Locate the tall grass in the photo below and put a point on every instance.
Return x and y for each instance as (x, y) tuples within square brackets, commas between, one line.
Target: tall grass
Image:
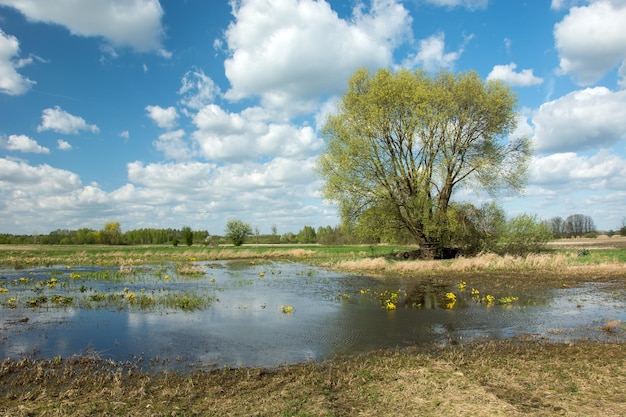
[(484, 262)]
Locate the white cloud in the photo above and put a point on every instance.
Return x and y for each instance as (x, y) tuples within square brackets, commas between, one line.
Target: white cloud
[(129, 23), (431, 55), (290, 53), (507, 74), (585, 119), (201, 195), (197, 90), (11, 82), (249, 135), (470, 4), (602, 170), (164, 117), (43, 197), (176, 177), (22, 143), (125, 134), (63, 145), (173, 145), (591, 40), (60, 121), (19, 178)]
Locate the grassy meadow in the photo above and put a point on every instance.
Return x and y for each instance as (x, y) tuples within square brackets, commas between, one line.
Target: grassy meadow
[(513, 377)]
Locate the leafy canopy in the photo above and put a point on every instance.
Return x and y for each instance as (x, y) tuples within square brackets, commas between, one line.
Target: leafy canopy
[(237, 231), (400, 144)]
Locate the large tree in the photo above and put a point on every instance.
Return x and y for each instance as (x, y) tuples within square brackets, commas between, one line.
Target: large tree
[(237, 231), (404, 141)]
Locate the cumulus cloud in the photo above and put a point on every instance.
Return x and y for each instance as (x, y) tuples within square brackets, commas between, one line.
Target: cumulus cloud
[(585, 119), (173, 176), (602, 170), (507, 74), (291, 53), (173, 145), (248, 135), (165, 118), (60, 121), (197, 89), (591, 40), (63, 145), (41, 179), (22, 143), (11, 81), (131, 23), (431, 55), (38, 197)]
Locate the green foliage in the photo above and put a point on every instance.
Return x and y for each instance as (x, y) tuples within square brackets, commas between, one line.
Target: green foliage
[(111, 234), (524, 234), (187, 235), (306, 235), (402, 142), (237, 231), (476, 229)]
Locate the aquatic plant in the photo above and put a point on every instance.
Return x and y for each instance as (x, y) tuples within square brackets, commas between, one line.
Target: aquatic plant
[(489, 299), (189, 269), (343, 297), (184, 301), (507, 300)]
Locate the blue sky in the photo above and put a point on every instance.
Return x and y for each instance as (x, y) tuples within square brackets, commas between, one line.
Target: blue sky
[(190, 113)]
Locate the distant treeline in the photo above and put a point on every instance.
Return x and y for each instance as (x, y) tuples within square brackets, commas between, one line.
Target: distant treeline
[(111, 234), (576, 225)]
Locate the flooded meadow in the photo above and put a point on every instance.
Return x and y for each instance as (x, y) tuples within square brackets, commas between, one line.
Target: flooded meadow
[(211, 315)]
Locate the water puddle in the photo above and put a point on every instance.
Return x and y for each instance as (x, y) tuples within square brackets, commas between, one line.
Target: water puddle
[(214, 315)]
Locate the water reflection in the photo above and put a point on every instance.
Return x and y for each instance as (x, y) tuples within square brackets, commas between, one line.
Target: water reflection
[(246, 326)]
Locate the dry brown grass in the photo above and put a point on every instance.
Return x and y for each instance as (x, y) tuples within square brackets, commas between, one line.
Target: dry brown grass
[(491, 378), (484, 262)]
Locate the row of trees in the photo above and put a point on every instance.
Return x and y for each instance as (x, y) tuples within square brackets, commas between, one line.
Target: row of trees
[(110, 234), (576, 225), (472, 229)]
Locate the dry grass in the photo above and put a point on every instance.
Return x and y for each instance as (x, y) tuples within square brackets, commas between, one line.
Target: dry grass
[(484, 262), (491, 378)]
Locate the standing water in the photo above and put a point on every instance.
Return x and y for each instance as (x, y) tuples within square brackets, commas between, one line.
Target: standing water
[(233, 314)]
